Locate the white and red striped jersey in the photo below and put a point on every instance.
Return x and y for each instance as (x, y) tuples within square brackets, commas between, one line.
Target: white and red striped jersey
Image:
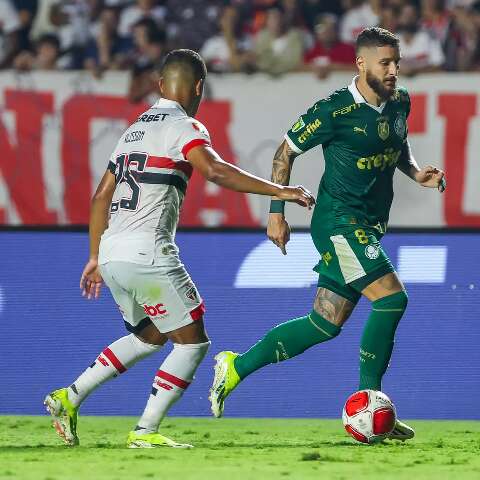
[(151, 173)]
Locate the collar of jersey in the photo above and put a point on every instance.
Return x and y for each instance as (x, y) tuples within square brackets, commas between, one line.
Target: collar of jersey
[(165, 103), (358, 97)]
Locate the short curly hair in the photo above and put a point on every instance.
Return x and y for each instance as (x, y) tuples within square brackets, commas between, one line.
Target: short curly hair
[(376, 37)]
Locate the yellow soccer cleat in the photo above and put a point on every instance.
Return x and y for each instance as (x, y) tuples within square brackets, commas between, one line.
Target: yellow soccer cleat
[(64, 416), (225, 381), (401, 432), (152, 440)]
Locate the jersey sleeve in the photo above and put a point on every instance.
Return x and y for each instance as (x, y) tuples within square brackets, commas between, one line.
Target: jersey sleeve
[(111, 165), (185, 135), (312, 128), (408, 103), (404, 99)]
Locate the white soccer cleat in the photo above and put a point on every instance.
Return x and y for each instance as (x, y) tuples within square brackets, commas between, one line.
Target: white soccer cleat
[(401, 432), (225, 381), (64, 416), (152, 440)]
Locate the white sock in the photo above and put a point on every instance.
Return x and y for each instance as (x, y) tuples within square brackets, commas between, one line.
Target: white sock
[(115, 359), (173, 377)]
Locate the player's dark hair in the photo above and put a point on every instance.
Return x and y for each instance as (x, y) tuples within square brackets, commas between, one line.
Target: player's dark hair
[(50, 39), (185, 58), (376, 37)]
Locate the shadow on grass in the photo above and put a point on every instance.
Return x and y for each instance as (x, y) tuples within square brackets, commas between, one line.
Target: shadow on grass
[(56, 448), (260, 445), (201, 443)]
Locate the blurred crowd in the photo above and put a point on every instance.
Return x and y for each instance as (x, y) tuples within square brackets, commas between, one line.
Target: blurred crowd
[(270, 36)]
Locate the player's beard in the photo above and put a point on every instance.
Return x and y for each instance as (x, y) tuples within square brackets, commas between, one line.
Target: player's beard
[(378, 86)]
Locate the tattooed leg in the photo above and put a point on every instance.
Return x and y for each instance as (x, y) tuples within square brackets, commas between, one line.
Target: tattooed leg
[(333, 307)]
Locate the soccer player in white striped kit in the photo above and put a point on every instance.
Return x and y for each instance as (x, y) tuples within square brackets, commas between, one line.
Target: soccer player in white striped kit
[(134, 216)]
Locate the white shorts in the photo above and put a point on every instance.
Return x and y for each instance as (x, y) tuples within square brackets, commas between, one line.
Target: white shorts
[(162, 294)]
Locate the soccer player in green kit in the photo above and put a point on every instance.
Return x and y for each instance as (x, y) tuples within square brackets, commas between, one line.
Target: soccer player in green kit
[(363, 131)]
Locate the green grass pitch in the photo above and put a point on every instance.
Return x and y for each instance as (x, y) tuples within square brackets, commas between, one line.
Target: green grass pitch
[(234, 449)]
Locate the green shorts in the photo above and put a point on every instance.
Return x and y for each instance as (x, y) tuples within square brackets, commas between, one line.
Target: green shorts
[(351, 260)]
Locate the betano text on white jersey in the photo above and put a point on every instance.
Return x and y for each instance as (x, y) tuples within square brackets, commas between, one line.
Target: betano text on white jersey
[(151, 174)]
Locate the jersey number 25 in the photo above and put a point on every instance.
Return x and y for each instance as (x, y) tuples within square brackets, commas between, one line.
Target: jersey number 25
[(125, 167)]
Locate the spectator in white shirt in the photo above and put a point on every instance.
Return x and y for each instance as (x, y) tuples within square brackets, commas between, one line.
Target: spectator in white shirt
[(360, 14), (436, 19), (72, 19), (420, 52), (142, 9), (229, 51)]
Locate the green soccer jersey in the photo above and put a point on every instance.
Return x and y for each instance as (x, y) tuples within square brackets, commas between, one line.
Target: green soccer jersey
[(361, 145)]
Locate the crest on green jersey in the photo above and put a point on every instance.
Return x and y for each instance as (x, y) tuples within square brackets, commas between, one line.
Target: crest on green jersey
[(383, 128), (372, 251), (400, 125), (298, 125)]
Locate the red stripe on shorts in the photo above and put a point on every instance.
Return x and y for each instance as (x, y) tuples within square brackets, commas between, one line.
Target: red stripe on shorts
[(192, 144), (197, 312), (173, 379), (166, 162), (114, 360)]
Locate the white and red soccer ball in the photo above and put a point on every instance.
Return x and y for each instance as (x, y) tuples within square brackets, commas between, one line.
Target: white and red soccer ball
[(369, 416)]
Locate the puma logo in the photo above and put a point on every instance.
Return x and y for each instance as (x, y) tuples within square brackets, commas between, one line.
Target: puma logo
[(360, 130), (281, 352)]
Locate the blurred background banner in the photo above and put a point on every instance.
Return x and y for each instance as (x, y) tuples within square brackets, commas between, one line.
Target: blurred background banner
[(57, 130), (50, 333)]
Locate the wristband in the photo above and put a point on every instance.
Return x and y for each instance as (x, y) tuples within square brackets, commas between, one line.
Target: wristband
[(277, 206), (443, 185)]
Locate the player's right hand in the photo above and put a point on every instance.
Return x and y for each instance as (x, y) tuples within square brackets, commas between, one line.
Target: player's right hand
[(91, 280), (278, 231), (298, 194)]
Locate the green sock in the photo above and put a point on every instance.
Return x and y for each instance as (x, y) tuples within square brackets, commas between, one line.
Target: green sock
[(378, 339), (286, 341)]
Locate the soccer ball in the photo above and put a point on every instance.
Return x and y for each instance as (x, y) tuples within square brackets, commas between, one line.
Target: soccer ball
[(369, 416)]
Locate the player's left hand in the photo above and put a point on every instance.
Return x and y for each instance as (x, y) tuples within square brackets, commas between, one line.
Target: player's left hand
[(91, 280), (431, 177), (299, 195)]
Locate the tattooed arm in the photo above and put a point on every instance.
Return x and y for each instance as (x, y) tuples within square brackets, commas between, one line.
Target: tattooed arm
[(282, 164), (278, 230)]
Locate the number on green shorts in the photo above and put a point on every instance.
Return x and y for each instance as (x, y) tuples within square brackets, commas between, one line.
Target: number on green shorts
[(361, 236)]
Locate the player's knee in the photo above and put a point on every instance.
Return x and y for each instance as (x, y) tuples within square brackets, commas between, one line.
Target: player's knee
[(335, 318), (323, 326), (192, 353), (151, 335), (326, 313), (396, 301)]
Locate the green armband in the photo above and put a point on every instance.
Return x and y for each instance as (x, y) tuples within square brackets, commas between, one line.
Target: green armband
[(277, 206)]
